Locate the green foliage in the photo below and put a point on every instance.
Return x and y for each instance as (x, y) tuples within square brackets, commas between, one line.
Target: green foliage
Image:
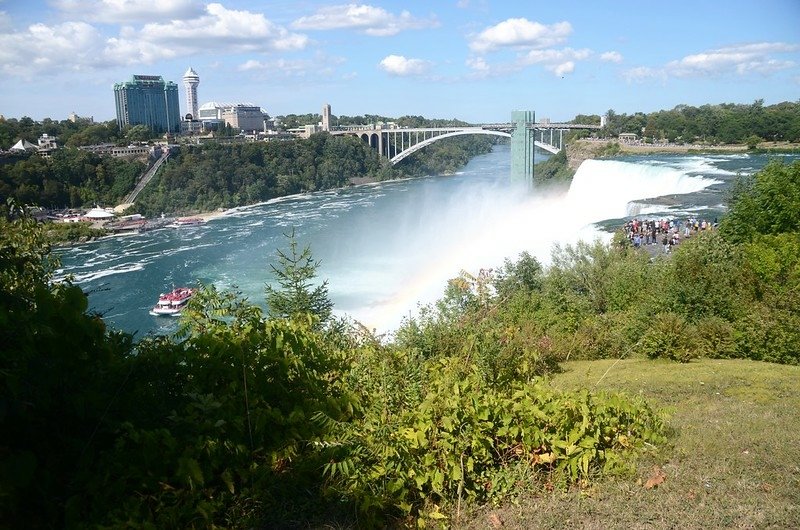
[(296, 294), (707, 278), (752, 141), (610, 149), (769, 334), (71, 232), (466, 440), (726, 123), (224, 425), (524, 275), (767, 202), (216, 175), (669, 337), (59, 373), (715, 338), (139, 133), (553, 170), (73, 134), (69, 178)]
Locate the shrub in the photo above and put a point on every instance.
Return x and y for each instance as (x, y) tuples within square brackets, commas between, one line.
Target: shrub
[(769, 334), (668, 337), (715, 338), (467, 440)]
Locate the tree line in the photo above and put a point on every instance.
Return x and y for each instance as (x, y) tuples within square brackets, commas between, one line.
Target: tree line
[(216, 175), (726, 123), (70, 178), (204, 177)]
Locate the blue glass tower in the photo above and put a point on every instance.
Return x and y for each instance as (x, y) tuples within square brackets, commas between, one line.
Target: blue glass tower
[(148, 100)]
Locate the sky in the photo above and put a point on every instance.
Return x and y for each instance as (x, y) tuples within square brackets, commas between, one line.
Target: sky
[(474, 60)]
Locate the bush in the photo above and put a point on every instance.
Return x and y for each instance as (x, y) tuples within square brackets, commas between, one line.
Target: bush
[(769, 334), (668, 337), (468, 440), (715, 338)]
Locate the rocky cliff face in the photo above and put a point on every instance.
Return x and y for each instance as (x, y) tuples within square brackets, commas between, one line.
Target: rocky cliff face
[(582, 150)]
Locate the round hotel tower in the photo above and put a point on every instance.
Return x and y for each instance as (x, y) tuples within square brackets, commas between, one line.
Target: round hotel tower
[(190, 81)]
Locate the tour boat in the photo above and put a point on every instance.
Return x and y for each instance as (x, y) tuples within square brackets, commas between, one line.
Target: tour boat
[(186, 221), (173, 302)]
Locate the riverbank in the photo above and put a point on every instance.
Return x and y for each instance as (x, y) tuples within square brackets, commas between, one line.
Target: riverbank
[(584, 149)]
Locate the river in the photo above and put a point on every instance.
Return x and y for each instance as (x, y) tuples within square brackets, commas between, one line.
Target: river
[(388, 247)]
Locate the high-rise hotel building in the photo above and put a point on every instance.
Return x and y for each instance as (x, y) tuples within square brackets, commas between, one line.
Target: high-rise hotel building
[(148, 100)]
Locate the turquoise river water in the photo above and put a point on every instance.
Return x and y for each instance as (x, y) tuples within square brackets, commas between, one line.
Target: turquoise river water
[(388, 247)]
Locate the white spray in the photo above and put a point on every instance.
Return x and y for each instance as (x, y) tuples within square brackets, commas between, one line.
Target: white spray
[(481, 230)]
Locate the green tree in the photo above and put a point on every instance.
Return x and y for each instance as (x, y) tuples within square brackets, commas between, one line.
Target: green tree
[(765, 203), (296, 293), (139, 133), (752, 141)]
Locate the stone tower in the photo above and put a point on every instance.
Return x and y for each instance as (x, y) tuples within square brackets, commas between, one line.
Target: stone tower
[(326, 117)]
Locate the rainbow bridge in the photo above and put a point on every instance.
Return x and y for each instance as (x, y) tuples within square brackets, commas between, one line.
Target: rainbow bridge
[(396, 143)]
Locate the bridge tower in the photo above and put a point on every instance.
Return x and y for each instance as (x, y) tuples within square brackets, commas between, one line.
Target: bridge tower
[(522, 146)]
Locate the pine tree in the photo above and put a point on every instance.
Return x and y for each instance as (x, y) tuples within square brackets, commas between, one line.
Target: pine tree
[(296, 293)]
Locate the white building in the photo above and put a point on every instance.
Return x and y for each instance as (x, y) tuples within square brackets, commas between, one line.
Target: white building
[(190, 81), (47, 144), (242, 116)]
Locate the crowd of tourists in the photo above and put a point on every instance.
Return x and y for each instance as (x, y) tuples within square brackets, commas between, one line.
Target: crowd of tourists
[(667, 232)]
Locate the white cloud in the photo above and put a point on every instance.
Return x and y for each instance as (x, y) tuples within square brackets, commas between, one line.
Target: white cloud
[(401, 66), (371, 20), (555, 56), (127, 11), (224, 28), (520, 32), (49, 49), (41, 49), (739, 60), (562, 69), (742, 59), (320, 64), (560, 62), (283, 67), (642, 73), (611, 57), (478, 64)]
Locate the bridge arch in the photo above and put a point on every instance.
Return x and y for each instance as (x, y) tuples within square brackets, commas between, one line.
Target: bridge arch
[(372, 139), (416, 147)]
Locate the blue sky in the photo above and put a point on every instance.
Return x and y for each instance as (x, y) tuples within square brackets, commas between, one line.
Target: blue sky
[(475, 60)]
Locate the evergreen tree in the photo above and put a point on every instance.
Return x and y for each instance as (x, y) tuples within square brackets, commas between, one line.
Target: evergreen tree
[(296, 294)]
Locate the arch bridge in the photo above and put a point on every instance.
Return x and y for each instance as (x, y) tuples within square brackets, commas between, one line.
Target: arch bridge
[(397, 143)]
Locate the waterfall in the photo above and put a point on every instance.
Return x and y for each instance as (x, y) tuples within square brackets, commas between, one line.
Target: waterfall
[(501, 222), (604, 189)]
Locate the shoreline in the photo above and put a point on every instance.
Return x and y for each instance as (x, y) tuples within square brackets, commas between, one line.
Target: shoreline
[(585, 149), (643, 148)]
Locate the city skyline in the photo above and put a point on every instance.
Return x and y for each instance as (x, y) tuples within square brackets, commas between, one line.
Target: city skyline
[(474, 60)]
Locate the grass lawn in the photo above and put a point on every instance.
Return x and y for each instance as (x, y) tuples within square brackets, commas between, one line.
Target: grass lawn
[(732, 459)]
